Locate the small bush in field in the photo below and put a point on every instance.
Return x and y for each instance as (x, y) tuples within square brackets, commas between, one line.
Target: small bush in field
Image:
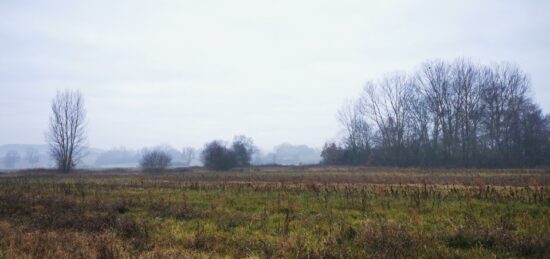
[(217, 156), (155, 160)]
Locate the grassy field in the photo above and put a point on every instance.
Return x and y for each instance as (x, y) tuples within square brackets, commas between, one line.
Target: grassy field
[(300, 212)]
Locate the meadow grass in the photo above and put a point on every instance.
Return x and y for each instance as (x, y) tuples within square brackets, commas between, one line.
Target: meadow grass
[(276, 213)]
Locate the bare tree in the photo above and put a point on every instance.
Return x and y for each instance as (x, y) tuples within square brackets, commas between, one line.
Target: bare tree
[(467, 87), (188, 154), (11, 158), (67, 136), (242, 149), (435, 84), (357, 138), (505, 101), (388, 105), (32, 157), (155, 160)]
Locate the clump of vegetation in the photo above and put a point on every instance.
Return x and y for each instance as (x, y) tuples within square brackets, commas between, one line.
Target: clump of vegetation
[(155, 160), (217, 156)]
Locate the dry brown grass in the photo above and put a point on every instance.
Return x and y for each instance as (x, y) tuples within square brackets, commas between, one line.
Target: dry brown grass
[(298, 213)]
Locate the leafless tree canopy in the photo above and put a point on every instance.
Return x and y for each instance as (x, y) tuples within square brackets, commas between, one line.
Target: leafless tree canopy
[(358, 136), (446, 114), (66, 135), (155, 160)]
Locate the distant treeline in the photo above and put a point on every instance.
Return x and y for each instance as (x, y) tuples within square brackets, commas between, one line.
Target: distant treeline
[(451, 114), (14, 157)]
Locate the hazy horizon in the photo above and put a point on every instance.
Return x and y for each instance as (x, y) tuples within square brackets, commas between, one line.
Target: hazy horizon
[(184, 73)]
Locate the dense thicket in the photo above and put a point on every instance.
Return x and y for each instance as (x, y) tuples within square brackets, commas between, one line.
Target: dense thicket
[(445, 114), (216, 155)]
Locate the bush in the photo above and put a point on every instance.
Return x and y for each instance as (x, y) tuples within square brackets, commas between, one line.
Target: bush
[(216, 155), (335, 154), (332, 154), (155, 160)]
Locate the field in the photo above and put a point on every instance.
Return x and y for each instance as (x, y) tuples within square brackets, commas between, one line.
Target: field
[(297, 212)]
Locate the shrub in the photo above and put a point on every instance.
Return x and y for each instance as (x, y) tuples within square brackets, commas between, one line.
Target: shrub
[(332, 154), (216, 155), (155, 160)]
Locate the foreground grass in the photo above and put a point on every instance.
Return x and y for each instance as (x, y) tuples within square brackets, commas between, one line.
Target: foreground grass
[(298, 213)]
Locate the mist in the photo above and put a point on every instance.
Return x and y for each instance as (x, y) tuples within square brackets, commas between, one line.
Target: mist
[(184, 73)]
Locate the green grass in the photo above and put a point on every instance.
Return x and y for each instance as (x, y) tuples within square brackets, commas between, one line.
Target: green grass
[(306, 213)]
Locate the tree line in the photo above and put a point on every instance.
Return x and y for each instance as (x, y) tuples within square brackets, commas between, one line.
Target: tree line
[(67, 141), (445, 114), (450, 114), (215, 155), (12, 158)]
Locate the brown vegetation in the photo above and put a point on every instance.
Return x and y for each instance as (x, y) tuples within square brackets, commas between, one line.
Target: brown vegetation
[(271, 212)]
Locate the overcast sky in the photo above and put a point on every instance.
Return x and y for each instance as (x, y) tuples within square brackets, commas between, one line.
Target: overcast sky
[(186, 72)]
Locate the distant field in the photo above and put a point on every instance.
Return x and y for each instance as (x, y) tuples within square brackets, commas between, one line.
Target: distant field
[(274, 212)]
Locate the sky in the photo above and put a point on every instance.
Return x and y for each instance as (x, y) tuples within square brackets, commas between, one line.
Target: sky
[(186, 72)]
